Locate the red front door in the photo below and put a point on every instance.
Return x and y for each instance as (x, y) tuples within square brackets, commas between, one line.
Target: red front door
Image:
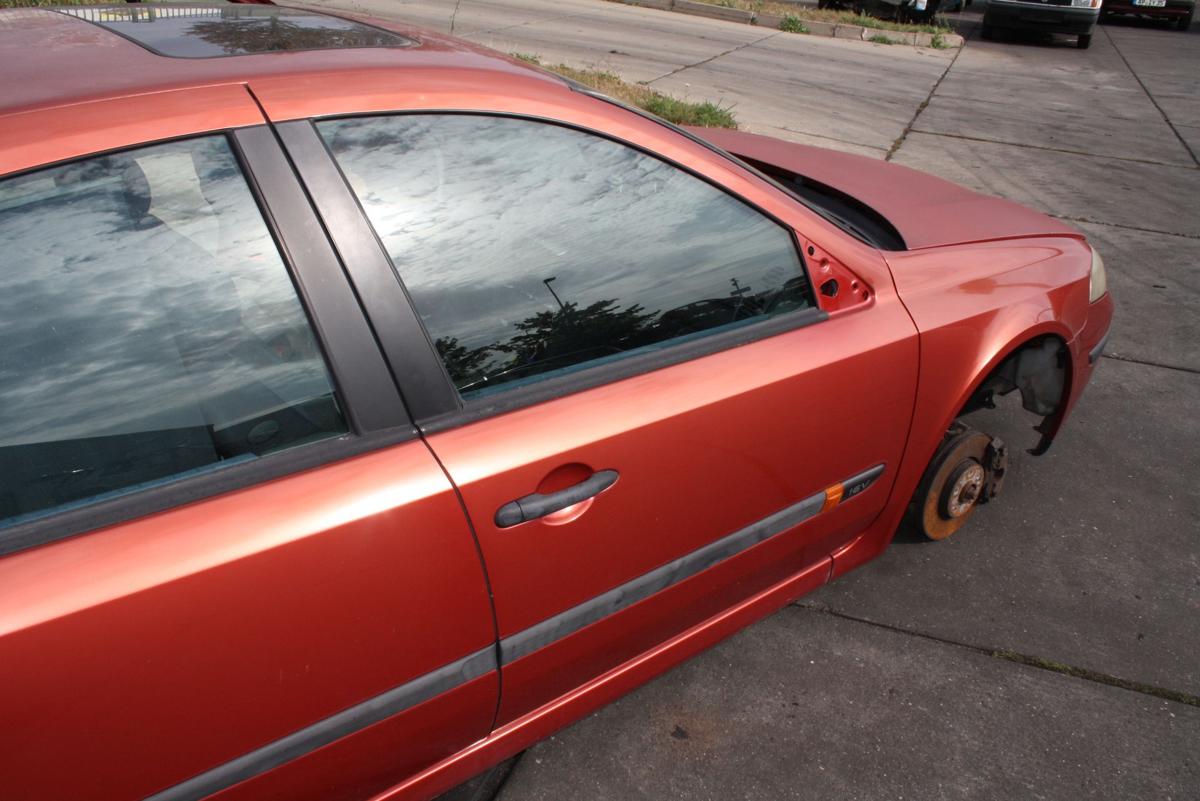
[(631, 341), (703, 450)]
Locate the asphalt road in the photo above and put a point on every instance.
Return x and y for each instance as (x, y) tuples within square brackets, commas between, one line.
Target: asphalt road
[(1051, 650)]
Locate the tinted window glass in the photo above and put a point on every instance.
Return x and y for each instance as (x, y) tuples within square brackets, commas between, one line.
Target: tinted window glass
[(148, 328), (206, 31), (531, 249)]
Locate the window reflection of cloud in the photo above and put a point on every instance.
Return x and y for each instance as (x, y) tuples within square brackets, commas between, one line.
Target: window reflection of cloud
[(475, 212), (92, 303)]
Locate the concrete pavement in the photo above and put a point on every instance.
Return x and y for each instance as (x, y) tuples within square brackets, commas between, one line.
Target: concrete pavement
[(835, 709), (883, 685), (847, 95)]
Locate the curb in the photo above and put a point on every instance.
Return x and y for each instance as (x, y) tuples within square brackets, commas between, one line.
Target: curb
[(827, 29)]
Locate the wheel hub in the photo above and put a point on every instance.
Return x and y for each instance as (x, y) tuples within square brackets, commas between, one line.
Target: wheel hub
[(967, 470), (963, 489)]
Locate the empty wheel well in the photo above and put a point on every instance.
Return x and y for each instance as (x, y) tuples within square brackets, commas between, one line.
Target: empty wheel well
[(1040, 369)]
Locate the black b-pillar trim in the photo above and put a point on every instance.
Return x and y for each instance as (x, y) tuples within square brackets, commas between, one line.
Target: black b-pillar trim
[(417, 368), (371, 398)]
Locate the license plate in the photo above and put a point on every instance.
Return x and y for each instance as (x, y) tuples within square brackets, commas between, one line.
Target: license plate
[(1150, 3)]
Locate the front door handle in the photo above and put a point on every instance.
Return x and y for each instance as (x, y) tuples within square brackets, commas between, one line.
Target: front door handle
[(531, 507)]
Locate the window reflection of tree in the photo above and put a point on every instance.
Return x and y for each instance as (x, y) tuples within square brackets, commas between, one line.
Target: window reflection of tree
[(570, 335), (549, 340), (256, 34)]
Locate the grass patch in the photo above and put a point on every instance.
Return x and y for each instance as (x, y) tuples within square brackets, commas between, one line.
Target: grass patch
[(671, 109), (850, 18), (793, 24), (879, 38), (803, 15)]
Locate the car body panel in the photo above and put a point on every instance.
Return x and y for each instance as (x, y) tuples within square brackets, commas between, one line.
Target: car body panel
[(658, 429), (766, 423), (214, 628), (1006, 294), (376, 758), (167, 648), (219, 627), (916, 203), (39, 137), (510, 738)]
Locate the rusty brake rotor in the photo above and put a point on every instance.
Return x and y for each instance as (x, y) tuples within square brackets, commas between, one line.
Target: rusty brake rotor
[(967, 470)]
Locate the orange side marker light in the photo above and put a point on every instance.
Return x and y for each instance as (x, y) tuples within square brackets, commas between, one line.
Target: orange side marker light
[(833, 496)]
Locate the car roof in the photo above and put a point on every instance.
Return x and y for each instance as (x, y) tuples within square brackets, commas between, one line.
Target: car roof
[(60, 57)]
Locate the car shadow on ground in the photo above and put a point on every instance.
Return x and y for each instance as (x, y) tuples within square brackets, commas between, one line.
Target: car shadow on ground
[(1128, 21)]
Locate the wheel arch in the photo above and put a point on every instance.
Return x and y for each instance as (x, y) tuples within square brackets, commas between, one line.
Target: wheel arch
[(1039, 364)]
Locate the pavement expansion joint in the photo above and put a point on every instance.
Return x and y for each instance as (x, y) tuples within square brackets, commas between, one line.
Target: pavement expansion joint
[(933, 90), (503, 28), (1123, 225), (1161, 365), (1151, 97), (1051, 149), (1027, 660), (712, 58)]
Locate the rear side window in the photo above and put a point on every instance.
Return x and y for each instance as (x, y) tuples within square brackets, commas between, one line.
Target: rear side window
[(531, 250), (148, 329)]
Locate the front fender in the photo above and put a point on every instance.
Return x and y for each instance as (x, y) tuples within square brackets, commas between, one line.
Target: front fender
[(974, 306)]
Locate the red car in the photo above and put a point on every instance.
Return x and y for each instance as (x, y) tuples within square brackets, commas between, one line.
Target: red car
[(374, 405)]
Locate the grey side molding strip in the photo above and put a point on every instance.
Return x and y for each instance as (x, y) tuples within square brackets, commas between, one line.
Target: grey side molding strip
[(571, 620), (332, 728), (514, 647)]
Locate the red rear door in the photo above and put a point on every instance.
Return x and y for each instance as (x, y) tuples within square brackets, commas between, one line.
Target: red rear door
[(228, 564)]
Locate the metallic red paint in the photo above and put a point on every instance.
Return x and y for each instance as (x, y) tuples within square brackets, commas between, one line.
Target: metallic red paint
[(374, 759), (927, 211), (703, 448), (511, 738), (149, 651)]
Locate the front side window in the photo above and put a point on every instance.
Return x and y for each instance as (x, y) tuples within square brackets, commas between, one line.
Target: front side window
[(531, 249), (148, 329)]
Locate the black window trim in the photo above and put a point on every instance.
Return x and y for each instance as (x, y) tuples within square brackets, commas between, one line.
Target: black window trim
[(426, 386), (372, 407)]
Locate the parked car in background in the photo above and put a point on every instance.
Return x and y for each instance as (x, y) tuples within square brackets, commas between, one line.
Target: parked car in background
[(1072, 17), (1179, 12), (373, 405)]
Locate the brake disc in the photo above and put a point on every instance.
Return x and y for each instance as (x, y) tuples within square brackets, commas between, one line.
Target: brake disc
[(967, 470)]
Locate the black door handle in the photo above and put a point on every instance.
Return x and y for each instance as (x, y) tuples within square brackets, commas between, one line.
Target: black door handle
[(531, 507)]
